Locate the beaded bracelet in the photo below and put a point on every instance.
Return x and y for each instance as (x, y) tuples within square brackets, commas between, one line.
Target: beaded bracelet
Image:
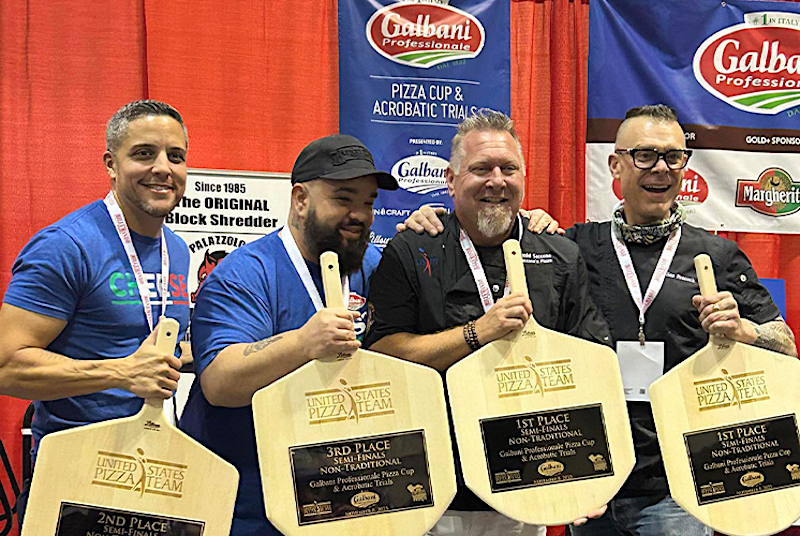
[(471, 336)]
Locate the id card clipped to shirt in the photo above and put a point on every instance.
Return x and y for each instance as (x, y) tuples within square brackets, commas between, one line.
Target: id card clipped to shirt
[(640, 365)]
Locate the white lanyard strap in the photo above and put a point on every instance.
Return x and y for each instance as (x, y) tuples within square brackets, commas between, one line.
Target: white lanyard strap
[(475, 266), (124, 234), (656, 282), (301, 268)]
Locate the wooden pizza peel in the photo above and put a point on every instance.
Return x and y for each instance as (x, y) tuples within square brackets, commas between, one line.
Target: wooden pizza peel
[(358, 445), (727, 425), (135, 475), (541, 421)]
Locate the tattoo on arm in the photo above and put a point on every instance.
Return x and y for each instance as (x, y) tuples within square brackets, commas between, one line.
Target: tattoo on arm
[(775, 336), (260, 345)]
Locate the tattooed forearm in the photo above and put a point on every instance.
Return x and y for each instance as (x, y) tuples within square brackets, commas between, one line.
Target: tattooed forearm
[(260, 345), (775, 336)]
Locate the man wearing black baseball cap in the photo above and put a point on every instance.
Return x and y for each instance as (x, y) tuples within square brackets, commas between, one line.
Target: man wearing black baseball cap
[(260, 314)]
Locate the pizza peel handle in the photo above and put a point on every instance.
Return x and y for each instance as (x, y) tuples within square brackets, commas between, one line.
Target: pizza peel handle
[(705, 278), (331, 280), (153, 408), (705, 274), (514, 266)]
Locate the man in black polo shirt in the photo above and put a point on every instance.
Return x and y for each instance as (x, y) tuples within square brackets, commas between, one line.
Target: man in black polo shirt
[(427, 306), (647, 228)]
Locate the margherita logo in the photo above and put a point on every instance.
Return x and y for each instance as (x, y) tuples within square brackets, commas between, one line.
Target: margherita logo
[(753, 66), (774, 193), (423, 35)]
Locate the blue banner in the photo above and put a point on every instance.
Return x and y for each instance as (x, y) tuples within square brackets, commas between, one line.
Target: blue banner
[(697, 57), (409, 72), (731, 70)]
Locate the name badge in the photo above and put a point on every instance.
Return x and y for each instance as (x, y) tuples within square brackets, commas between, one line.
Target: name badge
[(640, 365)]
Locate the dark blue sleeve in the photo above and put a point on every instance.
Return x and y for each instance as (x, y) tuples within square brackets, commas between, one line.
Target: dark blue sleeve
[(226, 313), (48, 276)]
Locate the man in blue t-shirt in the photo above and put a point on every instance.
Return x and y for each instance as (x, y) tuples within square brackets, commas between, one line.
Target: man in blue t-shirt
[(260, 315), (76, 336)]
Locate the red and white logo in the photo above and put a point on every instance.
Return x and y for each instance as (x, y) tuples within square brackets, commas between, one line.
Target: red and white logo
[(355, 301), (423, 35), (694, 190), (754, 66)]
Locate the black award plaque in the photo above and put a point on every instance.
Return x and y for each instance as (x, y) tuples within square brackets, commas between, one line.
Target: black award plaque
[(744, 459), (85, 520), (359, 477), (546, 447)]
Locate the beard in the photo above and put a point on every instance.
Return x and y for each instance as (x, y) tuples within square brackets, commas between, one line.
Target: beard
[(494, 220), (322, 238)]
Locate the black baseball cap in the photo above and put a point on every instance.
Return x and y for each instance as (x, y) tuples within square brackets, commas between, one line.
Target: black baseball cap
[(338, 157)]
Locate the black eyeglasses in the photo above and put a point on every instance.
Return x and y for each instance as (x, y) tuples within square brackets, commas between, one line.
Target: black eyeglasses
[(648, 158)]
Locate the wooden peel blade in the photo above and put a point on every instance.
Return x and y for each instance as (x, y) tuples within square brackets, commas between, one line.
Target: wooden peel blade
[(540, 419), (130, 472), (726, 419), (357, 444)]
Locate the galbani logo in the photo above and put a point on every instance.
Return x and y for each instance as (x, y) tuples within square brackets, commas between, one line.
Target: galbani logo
[(694, 189), (754, 66), (773, 193), (423, 35), (421, 174)]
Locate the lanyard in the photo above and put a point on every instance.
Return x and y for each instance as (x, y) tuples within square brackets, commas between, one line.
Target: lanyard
[(124, 234), (478, 273), (656, 282), (301, 268)]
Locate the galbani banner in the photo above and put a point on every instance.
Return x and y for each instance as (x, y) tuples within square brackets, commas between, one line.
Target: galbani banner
[(409, 72), (732, 72)]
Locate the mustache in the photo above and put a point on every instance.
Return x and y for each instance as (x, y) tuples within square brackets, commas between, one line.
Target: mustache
[(353, 223)]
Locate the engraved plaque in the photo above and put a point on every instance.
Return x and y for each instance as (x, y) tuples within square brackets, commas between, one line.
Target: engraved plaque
[(360, 477), (546, 447), (744, 459), (85, 520)]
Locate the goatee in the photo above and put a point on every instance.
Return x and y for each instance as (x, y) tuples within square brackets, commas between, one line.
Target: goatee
[(494, 220)]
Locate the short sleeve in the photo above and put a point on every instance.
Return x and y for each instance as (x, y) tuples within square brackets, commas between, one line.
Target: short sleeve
[(740, 279), (226, 313), (48, 275)]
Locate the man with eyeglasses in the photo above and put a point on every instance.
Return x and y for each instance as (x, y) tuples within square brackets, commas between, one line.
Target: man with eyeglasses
[(653, 326)]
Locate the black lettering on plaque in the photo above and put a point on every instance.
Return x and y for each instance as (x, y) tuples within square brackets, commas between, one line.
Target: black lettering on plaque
[(361, 476), (546, 447), (744, 459), (86, 520)]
